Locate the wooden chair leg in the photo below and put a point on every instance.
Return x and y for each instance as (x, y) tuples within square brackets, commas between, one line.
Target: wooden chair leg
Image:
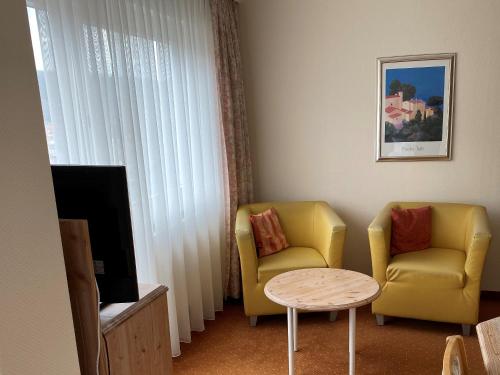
[(253, 320), (380, 319)]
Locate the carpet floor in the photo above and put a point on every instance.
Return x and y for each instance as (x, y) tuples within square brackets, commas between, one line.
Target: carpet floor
[(403, 346)]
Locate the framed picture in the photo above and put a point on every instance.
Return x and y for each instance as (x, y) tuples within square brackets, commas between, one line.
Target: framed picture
[(415, 107)]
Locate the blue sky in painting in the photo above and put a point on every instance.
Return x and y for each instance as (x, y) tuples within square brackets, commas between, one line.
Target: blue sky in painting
[(429, 81)]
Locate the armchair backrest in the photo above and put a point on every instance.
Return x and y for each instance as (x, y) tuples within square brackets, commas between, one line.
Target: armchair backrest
[(296, 219), (450, 222)]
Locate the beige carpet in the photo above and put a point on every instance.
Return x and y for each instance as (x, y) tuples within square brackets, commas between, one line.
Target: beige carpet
[(402, 346)]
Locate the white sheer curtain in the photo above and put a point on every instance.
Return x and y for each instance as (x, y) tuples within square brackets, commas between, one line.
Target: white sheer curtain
[(132, 82)]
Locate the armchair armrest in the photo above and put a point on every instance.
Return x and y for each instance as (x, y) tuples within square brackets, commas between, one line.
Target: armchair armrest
[(477, 243), (246, 247), (329, 234), (379, 235)]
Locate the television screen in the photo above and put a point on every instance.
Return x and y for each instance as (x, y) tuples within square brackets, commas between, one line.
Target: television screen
[(99, 194)]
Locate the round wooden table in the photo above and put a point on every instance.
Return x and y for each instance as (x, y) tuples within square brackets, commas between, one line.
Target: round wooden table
[(321, 289)]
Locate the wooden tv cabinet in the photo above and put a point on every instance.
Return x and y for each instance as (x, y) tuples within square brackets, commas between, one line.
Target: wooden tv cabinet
[(135, 336)]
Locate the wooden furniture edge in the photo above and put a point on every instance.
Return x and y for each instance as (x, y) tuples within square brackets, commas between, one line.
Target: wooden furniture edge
[(82, 290), (482, 337), (301, 305), (114, 321), (488, 351), (347, 306)]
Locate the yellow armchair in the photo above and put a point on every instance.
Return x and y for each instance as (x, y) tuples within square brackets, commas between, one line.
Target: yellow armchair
[(316, 237), (441, 283)]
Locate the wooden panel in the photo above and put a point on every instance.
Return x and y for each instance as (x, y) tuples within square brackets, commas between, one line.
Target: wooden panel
[(118, 351), (132, 341), (140, 343), (162, 356), (82, 291), (103, 358)]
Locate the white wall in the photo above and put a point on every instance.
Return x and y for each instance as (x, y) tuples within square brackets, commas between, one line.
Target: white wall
[(36, 329), (310, 76)]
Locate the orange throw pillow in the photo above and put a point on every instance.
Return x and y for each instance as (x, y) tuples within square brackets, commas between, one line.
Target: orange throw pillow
[(411, 229), (269, 237)]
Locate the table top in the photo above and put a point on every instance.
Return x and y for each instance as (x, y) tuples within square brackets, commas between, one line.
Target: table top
[(488, 333), (322, 289)]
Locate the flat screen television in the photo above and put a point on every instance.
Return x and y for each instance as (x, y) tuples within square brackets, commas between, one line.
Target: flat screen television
[(99, 194)]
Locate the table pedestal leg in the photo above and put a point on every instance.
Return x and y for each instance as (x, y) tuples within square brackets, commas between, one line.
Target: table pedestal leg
[(295, 322), (352, 340), (291, 345)]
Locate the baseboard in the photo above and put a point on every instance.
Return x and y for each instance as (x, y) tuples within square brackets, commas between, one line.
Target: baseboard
[(490, 294)]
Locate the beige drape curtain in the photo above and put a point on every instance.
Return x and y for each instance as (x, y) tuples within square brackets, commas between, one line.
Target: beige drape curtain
[(234, 126)]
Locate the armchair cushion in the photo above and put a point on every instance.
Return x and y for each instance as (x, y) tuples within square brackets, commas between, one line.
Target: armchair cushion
[(411, 229), (292, 258), (429, 268), (269, 237)]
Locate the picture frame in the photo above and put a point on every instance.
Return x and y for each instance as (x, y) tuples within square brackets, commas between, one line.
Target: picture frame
[(415, 107)]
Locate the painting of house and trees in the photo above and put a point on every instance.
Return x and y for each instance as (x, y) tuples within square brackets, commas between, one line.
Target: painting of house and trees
[(413, 106)]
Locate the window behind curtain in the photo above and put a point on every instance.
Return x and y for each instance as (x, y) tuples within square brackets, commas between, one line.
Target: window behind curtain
[(133, 82), (40, 72)]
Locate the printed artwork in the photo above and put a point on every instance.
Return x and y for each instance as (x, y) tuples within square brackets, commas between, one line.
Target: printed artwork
[(414, 107)]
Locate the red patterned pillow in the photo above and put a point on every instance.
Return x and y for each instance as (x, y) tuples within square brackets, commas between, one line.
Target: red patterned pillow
[(411, 229), (269, 237)]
